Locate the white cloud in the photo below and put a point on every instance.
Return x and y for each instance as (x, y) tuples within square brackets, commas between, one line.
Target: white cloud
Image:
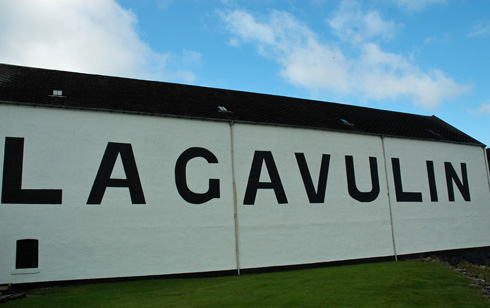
[(93, 36), (245, 26), (281, 37), (386, 75), (481, 28), (316, 66), (364, 69), (439, 40), (483, 109), (164, 4), (415, 5), (353, 25)]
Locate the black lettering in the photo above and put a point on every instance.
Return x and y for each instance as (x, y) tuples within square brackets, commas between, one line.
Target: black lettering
[(314, 195), (181, 176), (432, 181), (351, 180), (12, 191), (451, 176), (104, 180), (261, 157), (402, 196)]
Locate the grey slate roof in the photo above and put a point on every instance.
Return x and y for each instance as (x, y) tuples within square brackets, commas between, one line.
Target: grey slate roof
[(26, 85)]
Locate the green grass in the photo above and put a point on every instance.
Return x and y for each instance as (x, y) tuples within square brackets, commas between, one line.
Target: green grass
[(390, 284), (483, 272)]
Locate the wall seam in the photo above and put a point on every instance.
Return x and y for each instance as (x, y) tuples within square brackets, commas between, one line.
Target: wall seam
[(487, 169), (235, 201), (389, 198)]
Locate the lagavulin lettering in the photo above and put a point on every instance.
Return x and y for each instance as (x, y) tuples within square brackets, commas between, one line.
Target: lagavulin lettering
[(262, 161)]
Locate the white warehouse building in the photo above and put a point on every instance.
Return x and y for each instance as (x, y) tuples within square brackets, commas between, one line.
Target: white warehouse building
[(104, 177)]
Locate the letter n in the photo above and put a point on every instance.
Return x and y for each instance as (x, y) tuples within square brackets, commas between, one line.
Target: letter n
[(451, 176)]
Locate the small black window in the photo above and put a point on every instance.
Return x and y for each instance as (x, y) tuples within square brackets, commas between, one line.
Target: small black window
[(27, 253)]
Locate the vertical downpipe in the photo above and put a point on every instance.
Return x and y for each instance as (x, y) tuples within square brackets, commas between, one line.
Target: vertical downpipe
[(389, 198), (235, 202)]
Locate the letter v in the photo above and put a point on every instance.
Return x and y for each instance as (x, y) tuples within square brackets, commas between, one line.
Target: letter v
[(314, 195)]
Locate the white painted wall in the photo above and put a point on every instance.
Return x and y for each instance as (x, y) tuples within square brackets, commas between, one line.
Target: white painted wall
[(299, 232), (63, 149), (441, 225)]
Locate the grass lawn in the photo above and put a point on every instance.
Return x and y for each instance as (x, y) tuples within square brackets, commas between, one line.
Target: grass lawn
[(389, 284)]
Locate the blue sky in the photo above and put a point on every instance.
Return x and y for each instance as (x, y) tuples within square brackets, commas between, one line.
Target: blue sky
[(418, 56)]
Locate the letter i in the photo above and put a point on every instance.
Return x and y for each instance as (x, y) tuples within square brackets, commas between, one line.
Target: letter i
[(432, 181)]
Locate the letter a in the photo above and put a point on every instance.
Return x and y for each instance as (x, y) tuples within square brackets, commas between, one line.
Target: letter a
[(261, 157), (103, 178)]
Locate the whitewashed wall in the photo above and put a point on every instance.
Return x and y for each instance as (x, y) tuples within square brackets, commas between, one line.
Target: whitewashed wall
[(63, 149), (340, 228), (441, 225)]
